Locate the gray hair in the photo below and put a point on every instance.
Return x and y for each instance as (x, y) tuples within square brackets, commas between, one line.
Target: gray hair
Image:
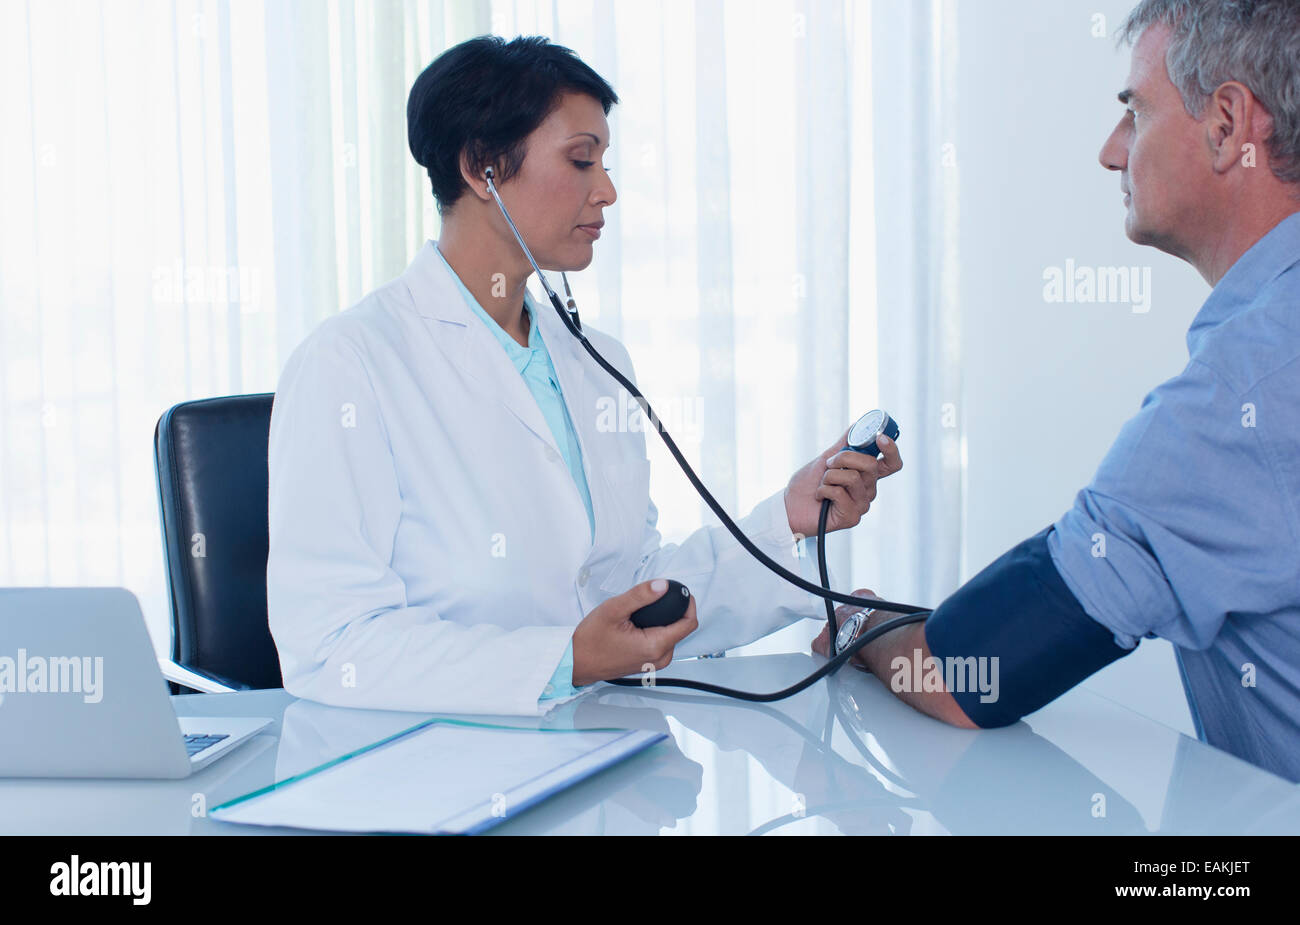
[(1254, 42)]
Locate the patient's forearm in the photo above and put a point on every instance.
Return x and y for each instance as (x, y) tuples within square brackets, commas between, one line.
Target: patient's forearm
[(905, 642)]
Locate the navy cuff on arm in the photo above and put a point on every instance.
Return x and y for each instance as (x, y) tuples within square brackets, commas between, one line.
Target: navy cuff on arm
[(1018, 614)]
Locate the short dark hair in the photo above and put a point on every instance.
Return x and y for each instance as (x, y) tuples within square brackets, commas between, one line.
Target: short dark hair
[(483, 97)]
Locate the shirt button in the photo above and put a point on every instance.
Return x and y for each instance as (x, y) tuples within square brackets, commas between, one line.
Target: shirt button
[(550, 689), (551, 454), (583, 575)]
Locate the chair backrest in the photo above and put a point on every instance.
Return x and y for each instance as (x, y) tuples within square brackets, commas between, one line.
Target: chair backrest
[(210, 457)]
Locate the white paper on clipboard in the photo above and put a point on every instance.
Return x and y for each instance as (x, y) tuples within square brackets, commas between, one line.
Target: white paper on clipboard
[(438, 777)]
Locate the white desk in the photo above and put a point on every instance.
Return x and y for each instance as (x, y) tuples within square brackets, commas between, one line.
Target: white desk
[(732, 768)]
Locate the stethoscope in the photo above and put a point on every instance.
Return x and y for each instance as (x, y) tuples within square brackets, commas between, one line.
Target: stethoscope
[(845, 640)]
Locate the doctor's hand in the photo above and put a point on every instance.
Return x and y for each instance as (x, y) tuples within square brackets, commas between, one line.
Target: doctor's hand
[(606, 644), (847, 477)]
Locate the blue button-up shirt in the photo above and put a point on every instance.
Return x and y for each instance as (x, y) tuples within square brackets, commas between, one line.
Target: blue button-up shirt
[(1189, 530), (534, 364)]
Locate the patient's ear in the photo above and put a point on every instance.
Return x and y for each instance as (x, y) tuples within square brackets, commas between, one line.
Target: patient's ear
[(1233, 120)]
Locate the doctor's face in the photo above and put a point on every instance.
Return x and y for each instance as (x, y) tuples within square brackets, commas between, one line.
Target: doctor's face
[(559, 195)]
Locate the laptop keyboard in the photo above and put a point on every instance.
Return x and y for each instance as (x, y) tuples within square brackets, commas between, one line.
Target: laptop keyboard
[(196, 742)]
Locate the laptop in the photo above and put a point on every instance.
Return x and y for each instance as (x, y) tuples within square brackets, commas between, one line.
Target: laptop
[(81, 693)]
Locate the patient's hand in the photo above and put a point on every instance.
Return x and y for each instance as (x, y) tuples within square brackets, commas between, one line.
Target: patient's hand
[(822, 644)]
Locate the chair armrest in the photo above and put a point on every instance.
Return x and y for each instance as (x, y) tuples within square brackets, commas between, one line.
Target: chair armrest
[(205, 682)]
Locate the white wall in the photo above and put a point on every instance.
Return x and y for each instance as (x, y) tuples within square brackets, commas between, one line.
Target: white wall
[(1047, 386)]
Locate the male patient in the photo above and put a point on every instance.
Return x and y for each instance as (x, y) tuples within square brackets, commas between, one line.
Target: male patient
[(1189, 530)]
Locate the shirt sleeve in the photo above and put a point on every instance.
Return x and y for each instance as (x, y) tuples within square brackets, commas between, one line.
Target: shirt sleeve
[(737, 599), (337, 609), (1178, 527)]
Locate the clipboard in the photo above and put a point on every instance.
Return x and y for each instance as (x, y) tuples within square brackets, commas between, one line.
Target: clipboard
[(441, 776)]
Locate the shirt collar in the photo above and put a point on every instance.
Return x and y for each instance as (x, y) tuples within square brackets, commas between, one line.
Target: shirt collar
[(521, 356), (1265, 260)]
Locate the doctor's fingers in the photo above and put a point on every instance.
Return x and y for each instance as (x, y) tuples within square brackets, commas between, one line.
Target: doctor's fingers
[(861, 485), (854, 461), (853, 498), (846, 511), (890, 461)]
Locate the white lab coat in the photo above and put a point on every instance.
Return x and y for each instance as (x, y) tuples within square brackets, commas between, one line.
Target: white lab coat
[(429, 550)]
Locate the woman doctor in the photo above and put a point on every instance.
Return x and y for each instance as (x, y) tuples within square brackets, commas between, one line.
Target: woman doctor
[(457, 521)]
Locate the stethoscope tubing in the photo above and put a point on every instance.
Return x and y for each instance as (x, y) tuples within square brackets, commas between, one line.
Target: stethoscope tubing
[(910, 613)]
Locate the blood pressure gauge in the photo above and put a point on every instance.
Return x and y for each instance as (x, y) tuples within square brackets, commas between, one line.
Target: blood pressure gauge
[(863, 434)]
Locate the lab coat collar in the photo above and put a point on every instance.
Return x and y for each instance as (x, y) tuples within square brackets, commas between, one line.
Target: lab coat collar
[(468, 343), (436, 296)]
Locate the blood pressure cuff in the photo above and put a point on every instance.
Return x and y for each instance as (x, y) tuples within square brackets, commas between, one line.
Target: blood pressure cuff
[(1029, 638)]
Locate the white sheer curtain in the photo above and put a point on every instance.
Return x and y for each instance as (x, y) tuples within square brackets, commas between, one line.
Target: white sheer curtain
[(918, 544), (189, 187)]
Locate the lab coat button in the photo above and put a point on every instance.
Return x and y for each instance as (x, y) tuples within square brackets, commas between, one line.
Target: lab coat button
[(583, 576), (551, 454)]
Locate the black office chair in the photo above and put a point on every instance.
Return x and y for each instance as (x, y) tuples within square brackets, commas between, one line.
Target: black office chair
[(210, 458)]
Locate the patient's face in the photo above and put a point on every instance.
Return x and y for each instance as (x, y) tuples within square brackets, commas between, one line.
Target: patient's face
[(562, 184), (1160, 153)]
